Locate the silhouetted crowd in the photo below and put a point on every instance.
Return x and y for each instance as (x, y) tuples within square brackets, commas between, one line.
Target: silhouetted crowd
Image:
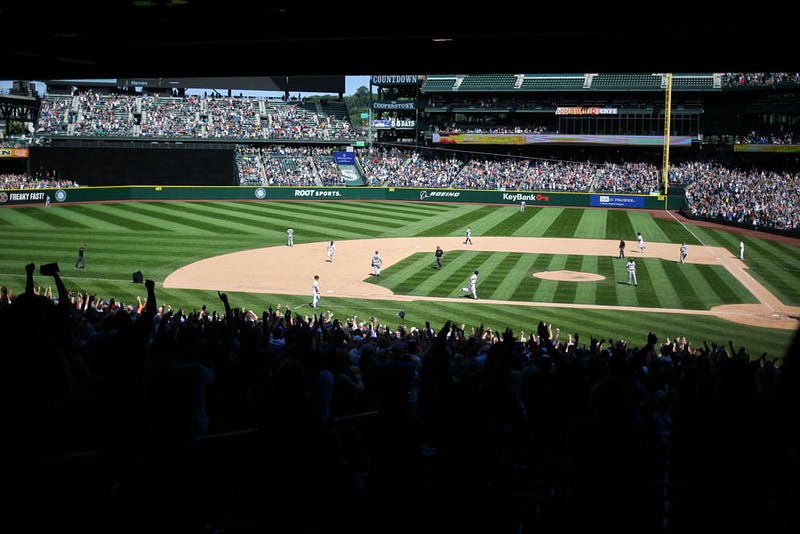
[(141, 418)]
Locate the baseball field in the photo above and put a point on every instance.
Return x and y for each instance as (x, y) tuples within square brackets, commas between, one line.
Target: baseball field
[(556, 265)]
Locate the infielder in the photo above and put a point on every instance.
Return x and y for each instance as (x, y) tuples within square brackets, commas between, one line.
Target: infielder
[(376, 264), (684, 250)]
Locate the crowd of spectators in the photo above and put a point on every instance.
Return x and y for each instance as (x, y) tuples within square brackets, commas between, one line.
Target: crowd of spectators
[(763, 199), (780, 136), (140, 417), (35, 181), (757, 198), (203, 117), (761, 79)]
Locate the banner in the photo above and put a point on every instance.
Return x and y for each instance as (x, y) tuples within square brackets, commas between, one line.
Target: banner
[(267, 194), (13, 152), (345, 158), (556, 139), (617, 201)]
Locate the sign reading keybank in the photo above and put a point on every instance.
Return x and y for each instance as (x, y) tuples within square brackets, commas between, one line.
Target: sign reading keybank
[(527, 197)]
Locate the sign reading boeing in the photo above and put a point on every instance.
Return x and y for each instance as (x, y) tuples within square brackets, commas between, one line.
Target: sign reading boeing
[(615, 201)]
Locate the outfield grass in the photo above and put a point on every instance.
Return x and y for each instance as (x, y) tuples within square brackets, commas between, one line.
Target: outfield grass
[(159, 237)]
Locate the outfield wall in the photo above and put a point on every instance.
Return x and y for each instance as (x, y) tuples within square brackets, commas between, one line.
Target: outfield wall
[(150, 193)]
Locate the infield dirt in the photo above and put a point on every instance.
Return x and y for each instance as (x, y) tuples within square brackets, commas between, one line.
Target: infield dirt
[(290, 270)]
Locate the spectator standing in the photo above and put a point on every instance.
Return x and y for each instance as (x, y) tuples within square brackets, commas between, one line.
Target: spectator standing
[(80, 263), (376, 264)]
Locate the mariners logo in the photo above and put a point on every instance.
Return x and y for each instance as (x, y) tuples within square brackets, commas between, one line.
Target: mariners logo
[(61, 195), (3, 197), (261, 193), (423, 195)]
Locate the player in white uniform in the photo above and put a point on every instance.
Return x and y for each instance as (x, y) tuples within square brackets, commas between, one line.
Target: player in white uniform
[(684, 250), (473, 282), (640, 240), (315, 291)]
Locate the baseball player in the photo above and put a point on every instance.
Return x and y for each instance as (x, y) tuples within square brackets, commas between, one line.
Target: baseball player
[(741, 250), (473, 281), (684, 250), (640, 240), (631, 267), (290, 236), (439, 254), (468, 240), (376, 264), (315, 291), (331, 250)]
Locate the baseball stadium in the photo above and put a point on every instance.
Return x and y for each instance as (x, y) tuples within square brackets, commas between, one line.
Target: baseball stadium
[(186, 345)]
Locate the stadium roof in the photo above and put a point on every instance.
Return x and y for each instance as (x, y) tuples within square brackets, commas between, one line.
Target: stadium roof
[(194, 38)]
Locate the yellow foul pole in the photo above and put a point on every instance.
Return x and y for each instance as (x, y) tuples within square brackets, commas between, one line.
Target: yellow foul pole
[(667, 117)]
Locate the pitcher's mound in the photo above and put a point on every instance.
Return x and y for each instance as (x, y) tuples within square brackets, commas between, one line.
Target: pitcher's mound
[(569, 276)]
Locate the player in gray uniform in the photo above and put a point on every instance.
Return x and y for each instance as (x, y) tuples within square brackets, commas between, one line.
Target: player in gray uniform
[(684, 251), (376, 263), (631, 268)]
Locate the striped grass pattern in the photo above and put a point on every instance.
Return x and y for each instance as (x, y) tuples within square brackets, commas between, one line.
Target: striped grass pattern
[(160, 237)]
